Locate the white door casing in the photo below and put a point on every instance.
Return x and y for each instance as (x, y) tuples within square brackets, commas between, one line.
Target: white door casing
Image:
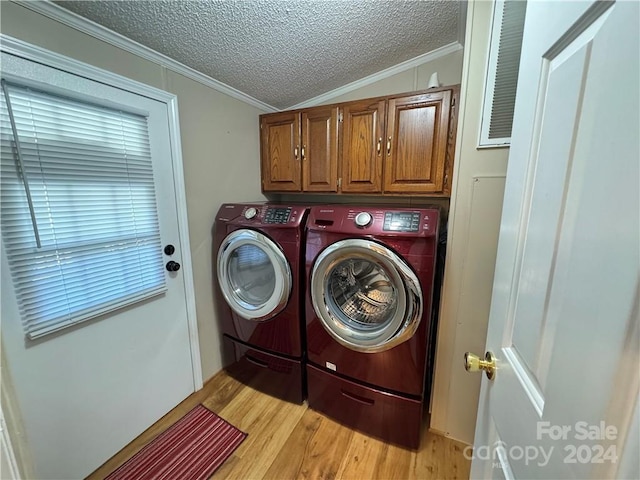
[(564, 314), (86, 392)]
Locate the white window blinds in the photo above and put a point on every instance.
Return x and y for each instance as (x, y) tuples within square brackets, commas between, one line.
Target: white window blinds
[(92, 204), (502, 72)]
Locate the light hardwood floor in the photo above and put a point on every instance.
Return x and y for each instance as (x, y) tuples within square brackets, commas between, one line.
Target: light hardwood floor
[(288, 441)]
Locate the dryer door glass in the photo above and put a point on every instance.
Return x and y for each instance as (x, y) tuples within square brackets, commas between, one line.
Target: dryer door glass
[(253, 274), (365, 295)]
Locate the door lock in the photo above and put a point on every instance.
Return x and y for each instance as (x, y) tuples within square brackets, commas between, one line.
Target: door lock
[(473, 363), (169, 250)]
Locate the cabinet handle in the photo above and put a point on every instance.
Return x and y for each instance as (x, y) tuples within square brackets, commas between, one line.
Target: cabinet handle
[(302, 152), (357, 398), (256, 361), (379, 145), (389, 146), (295, 152)]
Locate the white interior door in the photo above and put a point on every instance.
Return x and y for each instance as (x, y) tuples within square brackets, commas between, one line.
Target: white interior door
[(85, 392), (564, 314)]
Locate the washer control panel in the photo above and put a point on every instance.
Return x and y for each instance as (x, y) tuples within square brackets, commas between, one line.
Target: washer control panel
[(401, 222), (277, 215)]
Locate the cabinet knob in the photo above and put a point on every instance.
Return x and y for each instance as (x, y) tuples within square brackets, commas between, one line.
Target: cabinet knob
[(379, 145), (295, 152), (389, 146), (302, 152)]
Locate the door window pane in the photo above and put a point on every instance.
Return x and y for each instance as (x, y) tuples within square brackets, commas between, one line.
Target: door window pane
[(79, 217), (251, 274)]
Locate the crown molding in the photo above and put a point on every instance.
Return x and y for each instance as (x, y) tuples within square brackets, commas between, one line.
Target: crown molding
[(400, 67), (66, 17)]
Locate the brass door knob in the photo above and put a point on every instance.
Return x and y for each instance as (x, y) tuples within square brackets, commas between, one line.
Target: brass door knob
[(473, 363)]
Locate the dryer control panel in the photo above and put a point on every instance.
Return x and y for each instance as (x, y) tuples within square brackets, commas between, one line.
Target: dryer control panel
[(277, 215), (401, 222)]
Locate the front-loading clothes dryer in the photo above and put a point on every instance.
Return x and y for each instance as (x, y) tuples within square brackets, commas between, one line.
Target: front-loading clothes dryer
[(370, 275), (258, 265)]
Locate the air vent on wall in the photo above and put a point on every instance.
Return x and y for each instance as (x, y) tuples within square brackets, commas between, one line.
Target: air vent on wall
[(502, 73)]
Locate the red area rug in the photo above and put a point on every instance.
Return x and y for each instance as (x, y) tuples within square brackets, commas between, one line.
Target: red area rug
[(192, 448)]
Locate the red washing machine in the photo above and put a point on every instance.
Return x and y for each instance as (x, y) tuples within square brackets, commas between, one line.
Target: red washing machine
[(370, 274), (258, 279)]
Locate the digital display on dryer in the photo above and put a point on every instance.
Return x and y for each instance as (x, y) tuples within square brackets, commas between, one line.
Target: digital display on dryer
[(401, 221), (277, 215)]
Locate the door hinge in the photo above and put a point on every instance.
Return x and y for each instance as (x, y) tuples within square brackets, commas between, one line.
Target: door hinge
[(340, 117), (453, 102), (339, 182)]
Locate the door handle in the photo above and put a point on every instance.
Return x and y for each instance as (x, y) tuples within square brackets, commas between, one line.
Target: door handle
[(172, 266), (473, 363)]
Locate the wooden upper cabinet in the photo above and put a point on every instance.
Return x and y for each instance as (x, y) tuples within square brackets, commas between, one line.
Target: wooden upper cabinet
[(416, 143), (319, 149), (299, 150), (399, 144), (361, 151), (280, 152)]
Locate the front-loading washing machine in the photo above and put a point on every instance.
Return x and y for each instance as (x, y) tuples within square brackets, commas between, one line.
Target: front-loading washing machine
[(258, 282), (370, 274)]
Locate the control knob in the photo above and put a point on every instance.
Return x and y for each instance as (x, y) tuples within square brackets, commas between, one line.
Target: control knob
[(250, 213), (363, 219)]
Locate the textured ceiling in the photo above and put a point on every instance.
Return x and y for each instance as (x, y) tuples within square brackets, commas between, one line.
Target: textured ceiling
[(277, 51)]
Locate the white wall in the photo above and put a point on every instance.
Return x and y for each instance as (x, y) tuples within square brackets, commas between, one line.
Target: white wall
[(476, 205), (449, 68)]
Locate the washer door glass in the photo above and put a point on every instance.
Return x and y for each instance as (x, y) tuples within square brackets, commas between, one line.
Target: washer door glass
[(365, 295), (253, 274)]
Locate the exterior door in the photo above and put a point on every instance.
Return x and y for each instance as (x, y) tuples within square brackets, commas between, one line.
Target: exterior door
[(366, 297), (86, 391), (254, 275), (564, 316)]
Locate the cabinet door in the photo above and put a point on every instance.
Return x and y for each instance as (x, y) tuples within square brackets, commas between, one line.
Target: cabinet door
[(362, 146), (280, 152), (416, 143), (320, 149)]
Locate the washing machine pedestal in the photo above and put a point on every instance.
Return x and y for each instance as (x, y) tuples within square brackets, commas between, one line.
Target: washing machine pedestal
[(389, 417)]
